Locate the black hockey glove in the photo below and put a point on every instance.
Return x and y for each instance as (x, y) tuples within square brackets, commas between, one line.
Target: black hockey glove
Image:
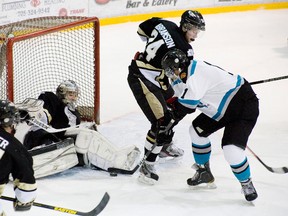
[(19, 206), (177, 110)]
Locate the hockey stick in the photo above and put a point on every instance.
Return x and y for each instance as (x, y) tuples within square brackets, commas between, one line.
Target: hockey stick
[(280, 170), (105, 199), (114, 170), (268, 80), (50, 129)]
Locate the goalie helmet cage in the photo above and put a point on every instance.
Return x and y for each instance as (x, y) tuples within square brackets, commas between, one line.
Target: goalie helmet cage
[(37, 54)]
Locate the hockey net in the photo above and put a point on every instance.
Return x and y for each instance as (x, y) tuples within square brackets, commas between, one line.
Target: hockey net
[(36, 55)]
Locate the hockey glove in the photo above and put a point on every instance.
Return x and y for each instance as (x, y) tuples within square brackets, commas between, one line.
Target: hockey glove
[(177, 110), (19, 206)]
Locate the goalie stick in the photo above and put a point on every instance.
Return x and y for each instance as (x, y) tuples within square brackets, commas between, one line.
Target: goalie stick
[(280, 170), (104, 201), (50, 129)]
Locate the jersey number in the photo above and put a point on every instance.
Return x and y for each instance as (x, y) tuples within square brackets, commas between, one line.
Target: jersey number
[(153, 46)]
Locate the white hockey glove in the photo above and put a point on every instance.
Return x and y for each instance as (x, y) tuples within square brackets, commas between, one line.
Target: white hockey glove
[(33, 108)]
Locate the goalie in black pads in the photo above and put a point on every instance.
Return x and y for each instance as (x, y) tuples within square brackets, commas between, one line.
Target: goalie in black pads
[(60, 111), (15, 160), (152, 89), (226, 101)]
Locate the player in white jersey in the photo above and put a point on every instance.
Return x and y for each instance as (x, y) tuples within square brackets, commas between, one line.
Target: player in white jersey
[(226, 101)]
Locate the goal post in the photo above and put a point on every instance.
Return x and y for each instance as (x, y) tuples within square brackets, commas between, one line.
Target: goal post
[(36, 55)]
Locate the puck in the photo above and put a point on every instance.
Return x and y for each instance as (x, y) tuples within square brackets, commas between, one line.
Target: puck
[(113, 174)]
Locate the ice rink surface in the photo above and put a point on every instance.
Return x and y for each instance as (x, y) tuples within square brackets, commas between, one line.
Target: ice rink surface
[(253, 44)]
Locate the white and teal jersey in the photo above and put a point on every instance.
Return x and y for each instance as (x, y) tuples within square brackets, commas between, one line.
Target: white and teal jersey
[(208, 88)]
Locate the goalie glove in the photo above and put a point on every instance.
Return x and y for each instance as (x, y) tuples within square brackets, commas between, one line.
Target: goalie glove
[(33, 108)]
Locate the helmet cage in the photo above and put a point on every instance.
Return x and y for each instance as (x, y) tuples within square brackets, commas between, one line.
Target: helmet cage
[(174, 60), (65, 88)]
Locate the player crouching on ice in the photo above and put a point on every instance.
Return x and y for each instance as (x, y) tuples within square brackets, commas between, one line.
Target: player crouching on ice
[(226, 101), (54, 130), (15, 161)]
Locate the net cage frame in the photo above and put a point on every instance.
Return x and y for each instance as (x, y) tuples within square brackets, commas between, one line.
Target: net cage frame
[(73, 22)]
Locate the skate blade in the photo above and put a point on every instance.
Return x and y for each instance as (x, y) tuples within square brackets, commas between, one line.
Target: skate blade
[(148, 181), (210, 185), (169, 159)]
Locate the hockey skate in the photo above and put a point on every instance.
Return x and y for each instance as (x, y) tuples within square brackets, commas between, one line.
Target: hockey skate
[(203, 175), (170, 152), (148, 173), (249, 190)]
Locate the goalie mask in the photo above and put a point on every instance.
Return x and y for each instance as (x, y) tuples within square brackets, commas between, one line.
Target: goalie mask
[(190, 19), (68, 92), (174, 60), (9, 114)]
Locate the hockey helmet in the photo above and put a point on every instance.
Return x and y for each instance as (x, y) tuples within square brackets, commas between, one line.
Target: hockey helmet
[(9, 114), (65, 88), (192, 18), (173, 60)]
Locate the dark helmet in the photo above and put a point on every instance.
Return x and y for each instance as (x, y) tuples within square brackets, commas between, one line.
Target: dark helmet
[(193, 18), (65, 87), (9, 114), (174, 59)]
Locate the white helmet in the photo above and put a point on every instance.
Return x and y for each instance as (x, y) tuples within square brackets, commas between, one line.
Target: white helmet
[(65, 88)]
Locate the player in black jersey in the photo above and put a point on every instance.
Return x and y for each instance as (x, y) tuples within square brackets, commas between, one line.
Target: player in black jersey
[(15, 160), (151, 88)]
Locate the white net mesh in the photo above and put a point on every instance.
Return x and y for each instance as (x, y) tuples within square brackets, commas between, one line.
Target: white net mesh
[(46, 51)]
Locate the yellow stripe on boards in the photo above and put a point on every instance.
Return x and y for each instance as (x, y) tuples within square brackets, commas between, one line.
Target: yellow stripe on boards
[(178, 13)]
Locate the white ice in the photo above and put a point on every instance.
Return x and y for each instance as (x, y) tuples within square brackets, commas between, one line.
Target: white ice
[(253, 44)]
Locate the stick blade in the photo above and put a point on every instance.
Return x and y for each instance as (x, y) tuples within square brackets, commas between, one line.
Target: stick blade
[(122, 171), (280, 170), (99, 208)]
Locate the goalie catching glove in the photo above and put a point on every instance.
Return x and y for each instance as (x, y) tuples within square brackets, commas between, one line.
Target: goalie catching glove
[(32, 108)]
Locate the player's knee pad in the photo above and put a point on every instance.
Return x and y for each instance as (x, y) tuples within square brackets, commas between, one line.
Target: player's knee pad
[(234, 154), (196, 137)]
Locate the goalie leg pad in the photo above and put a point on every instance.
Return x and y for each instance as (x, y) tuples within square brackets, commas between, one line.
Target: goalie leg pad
[(54, 158), (103, 154), (83, 141)]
